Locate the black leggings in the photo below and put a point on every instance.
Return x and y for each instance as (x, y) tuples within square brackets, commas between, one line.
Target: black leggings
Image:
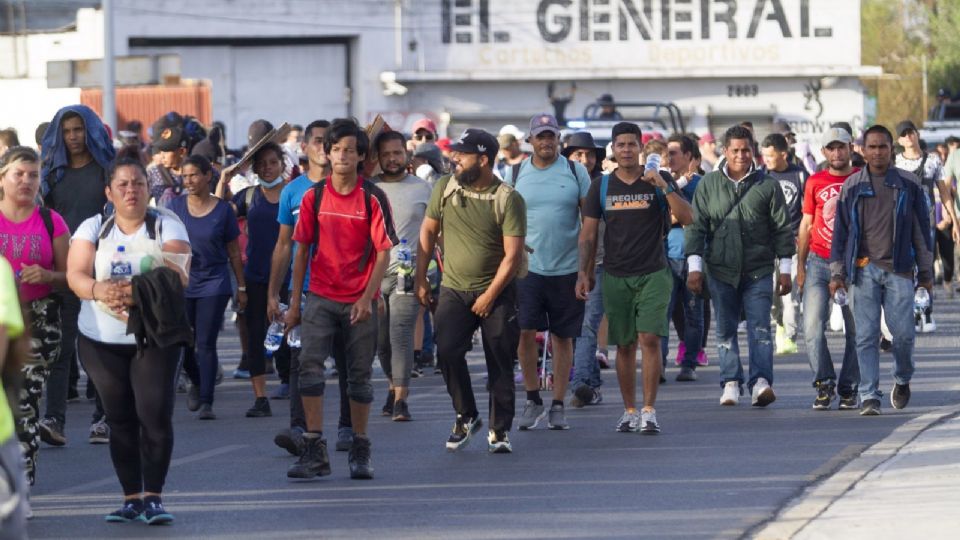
[(137, 389), (943, 247)]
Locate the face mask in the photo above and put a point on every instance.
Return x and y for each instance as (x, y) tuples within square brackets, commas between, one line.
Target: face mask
[(269, 185)]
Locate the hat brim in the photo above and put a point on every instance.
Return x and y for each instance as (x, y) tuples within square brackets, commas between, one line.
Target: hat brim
[(540, 129), (454, 147), (601, 152)]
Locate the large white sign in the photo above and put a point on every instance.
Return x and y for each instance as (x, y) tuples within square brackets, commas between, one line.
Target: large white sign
[(624, 35)]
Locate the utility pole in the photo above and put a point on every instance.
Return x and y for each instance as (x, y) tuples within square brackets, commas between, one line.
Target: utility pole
[(109, 102)]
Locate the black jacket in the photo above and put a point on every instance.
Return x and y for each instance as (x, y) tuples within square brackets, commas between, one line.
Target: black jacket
[(158, 317)]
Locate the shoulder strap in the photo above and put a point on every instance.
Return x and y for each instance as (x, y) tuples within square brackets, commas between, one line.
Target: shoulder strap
[(501, 196), (449, 190), (47, 221), (151, 219), (604, 185), (249, 195), (573, 171), (318, 190), (367, 188), (515, 174)]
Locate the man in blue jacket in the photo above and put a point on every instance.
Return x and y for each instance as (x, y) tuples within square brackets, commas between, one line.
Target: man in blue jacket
[(881, 236)]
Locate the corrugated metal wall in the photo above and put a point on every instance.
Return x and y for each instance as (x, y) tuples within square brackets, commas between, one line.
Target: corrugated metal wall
[(147, 103)]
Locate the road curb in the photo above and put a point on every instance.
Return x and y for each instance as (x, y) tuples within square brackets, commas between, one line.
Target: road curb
[(815, 499)]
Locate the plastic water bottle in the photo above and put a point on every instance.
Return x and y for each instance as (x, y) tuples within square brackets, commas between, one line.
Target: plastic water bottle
[(293, 337), (404, 268), (840, 297), (120, 266), (653, 163), (921, 298), (275, 332)]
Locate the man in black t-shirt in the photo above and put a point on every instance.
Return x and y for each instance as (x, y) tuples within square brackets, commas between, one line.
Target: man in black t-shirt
[(635, 205)]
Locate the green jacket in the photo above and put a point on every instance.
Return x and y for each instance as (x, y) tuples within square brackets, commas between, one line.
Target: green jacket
[(746, 241)]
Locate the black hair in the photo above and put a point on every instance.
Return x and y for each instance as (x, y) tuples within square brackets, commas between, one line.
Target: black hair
[(269, 147), (321, 124), (199, 162), (877, 128), (125, 162), (686, 145), (777, 141), (626, 128), (346, 127), (952, 140), (737, 132), (387, 136), (128, 151), (71, 114), (296, 127), (747, 124)]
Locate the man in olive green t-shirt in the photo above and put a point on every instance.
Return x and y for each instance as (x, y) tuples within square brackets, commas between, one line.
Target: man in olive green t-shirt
[(483, 224)]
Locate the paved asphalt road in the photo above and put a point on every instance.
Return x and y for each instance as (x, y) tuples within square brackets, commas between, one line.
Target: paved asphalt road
[(714, 472)]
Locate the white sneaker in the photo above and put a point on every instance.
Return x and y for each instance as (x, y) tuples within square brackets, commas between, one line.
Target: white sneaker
[(731, 393), (762, 393), (929, 325)]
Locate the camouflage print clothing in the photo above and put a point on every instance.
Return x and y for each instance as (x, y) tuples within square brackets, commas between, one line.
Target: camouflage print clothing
[(44, 350)]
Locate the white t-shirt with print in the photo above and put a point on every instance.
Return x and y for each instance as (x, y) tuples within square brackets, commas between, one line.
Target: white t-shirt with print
[(94, 323)]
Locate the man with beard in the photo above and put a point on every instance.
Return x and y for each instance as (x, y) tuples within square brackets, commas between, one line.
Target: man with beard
[(483, 222), (399, 309)]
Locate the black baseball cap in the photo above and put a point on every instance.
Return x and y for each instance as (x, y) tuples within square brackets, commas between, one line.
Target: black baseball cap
[(477, 141), (905, 126)]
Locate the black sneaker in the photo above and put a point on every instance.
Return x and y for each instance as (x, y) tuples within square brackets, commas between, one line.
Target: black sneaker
[(401, 413), (388, 406), (260, 409), (193, 398), (900, 395), (498, 442), (825, 396), (437, 370), (359, 459), (416, 372), (849, 402), (291, 440), (687, 374), (130, 511), (344, 439), (51, 432), (463, 428), (870, 407), (581, 396), (426, 359), (155, 514), (314, 460)]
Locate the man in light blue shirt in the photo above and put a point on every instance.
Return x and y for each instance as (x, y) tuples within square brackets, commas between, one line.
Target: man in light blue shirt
[(554, 189)]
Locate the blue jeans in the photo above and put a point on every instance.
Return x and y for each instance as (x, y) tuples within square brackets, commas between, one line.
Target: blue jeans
[(875, 288), (586, 370), (692, 332), (755, 296), (816, 315)]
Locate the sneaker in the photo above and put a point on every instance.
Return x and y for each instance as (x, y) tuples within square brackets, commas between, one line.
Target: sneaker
[(218, 378), (241, 373), (437, 370), (281, 392), (291, 440), (314, 460), (130, 511), (387, 409), (687, 374), (629, 422), (182, 382), (849, 402), (928, 325), (416, 372), (193, 398), (51, 432), (762, 393), (498, 442), (426, 359), (731, 393), (825, 396), (602, 360), (401, 413), (648, 422), (344, 439), (463, 428), (900, 395), (702, 359), (206, 412), (681, 352), (885, 344), (155, 514), (557, 420), (99, 432), (870, 407), (581, 396), (531, 416), (260, 409), (359, 459)]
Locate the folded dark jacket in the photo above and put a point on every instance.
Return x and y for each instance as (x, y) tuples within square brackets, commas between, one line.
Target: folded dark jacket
[(158, 317)]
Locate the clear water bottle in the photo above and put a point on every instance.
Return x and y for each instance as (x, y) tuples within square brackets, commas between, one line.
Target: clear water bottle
[(404, 268), (120, 265), (840, 297), (921, 298), (293, 337), (275, 332), (653, 163)]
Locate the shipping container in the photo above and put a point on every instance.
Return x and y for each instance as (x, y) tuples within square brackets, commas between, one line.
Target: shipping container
[(148, 103)]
